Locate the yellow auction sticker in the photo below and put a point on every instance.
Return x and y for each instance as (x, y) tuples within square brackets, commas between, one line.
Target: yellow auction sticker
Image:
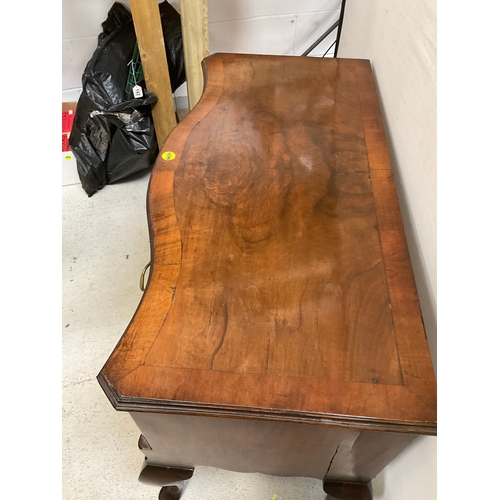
[(168, 155)]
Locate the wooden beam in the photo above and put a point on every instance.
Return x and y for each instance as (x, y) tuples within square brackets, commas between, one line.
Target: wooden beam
[(147, 24), (195, 42)]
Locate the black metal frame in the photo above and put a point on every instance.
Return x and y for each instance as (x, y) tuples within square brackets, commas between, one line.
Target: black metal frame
[(338, 23)]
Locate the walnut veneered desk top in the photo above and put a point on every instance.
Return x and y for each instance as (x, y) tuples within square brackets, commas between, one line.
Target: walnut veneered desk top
[(281, 286)]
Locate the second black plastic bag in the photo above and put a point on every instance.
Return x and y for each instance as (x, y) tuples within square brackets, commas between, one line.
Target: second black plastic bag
[(113, 138)]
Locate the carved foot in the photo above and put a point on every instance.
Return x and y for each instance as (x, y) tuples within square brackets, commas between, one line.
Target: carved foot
[(347, 491)]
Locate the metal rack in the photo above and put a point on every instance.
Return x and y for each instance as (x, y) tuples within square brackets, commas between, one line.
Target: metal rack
[(336, 25)]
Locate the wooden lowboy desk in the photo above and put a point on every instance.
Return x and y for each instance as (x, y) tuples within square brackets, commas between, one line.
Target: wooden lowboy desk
[(280, 331)]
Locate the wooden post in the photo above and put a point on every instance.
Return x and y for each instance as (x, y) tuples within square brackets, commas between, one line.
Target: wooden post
[(195, 43), (147, 24)]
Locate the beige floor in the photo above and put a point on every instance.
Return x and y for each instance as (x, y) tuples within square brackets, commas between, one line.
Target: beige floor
[(105, 247)]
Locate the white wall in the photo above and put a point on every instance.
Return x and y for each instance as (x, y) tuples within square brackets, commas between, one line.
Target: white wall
[(285, 27), (81, 23), (399, 38), (260, 26)]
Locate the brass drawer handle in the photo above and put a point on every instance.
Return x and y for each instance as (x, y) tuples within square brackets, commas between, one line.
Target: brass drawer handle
[(141, 281)]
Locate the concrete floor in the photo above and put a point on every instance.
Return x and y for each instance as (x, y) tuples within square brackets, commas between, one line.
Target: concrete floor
[(105, 247)]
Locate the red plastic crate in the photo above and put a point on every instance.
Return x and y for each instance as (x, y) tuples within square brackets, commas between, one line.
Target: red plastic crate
[(65, 143), (67, 121)]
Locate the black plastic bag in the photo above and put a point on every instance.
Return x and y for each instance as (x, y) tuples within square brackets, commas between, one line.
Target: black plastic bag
[(112, 137)]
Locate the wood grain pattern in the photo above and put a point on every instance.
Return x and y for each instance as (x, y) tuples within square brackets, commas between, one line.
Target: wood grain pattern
[(147, 24), (281, 286), (194, 19)]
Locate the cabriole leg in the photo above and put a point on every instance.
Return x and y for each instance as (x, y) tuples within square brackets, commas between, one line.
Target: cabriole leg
[(171, 479)]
